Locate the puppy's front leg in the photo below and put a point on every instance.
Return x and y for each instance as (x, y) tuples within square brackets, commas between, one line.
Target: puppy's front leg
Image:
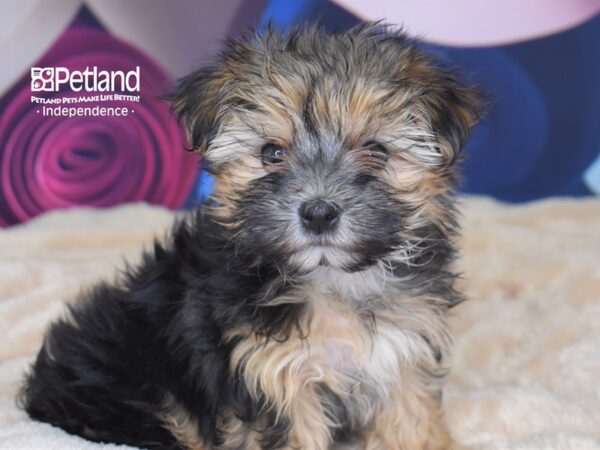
[(286, 380), (411, 420), (310, 426)]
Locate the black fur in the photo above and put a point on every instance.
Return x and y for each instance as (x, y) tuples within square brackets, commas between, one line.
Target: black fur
[(105, 369)]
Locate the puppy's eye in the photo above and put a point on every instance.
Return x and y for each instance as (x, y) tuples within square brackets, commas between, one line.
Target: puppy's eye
[(273, 154), (376, 150)]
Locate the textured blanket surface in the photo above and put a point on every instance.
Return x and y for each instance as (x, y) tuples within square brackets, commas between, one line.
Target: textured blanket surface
[(526, 365)]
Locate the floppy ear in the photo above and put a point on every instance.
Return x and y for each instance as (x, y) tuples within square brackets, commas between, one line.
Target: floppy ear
[(453, 110), (198, 102)]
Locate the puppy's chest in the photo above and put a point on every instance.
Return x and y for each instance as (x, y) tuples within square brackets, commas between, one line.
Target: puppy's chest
[(340, 362), (347, 343), (344, 342)]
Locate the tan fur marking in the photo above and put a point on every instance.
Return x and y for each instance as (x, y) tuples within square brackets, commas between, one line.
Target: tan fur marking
[(185, 429), (412, 420), (238, 435)]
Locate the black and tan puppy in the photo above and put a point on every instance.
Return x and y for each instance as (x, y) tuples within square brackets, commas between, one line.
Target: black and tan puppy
[(305, 307)]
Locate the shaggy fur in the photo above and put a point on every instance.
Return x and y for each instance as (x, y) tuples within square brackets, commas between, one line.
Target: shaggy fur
[(248, 329)]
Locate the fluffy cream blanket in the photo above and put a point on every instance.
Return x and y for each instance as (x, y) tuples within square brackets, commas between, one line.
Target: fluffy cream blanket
[(526, 366)]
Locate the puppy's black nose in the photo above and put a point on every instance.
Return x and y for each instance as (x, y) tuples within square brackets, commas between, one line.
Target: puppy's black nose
[(319, 216)]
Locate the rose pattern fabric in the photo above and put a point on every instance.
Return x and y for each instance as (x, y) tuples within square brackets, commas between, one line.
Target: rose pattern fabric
[(58, 162)]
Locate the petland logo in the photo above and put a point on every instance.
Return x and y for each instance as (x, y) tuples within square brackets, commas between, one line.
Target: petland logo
[(52, 79)]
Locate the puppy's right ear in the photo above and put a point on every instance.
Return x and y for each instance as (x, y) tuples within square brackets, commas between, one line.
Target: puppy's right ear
[(198, 103)]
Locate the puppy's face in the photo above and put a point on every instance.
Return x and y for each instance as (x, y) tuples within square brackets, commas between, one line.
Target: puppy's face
[(329, 150)]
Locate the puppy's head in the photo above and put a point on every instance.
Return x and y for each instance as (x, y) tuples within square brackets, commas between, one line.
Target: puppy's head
[(329, 149)]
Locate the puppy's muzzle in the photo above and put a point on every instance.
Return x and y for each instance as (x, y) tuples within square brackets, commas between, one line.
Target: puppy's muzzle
[(318, 216)]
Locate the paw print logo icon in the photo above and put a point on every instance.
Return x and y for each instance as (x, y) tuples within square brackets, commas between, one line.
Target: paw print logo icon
[(42, 79)]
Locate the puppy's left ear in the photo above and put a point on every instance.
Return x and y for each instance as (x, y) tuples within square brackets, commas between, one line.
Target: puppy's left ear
[(453, 108), (198, 101)]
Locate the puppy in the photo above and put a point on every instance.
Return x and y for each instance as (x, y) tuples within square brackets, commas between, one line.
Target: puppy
[(305, 306)]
